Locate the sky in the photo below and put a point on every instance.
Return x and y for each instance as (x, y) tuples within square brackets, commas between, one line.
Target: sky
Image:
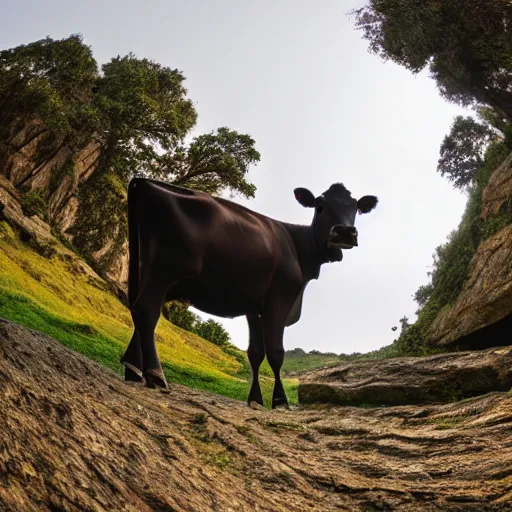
[(298, 78)]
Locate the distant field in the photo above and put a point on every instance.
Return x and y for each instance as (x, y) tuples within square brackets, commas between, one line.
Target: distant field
[(294, 363), (52, 295)]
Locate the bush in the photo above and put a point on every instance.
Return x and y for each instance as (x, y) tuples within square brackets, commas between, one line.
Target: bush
[(213, 332), (177, 313)]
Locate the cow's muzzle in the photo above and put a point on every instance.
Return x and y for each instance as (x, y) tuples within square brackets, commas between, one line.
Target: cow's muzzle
[(342, 237)]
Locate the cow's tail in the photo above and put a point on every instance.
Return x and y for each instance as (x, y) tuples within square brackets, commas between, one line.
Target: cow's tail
[(133, 243)]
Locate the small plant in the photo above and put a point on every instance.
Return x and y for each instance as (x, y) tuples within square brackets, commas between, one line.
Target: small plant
[(34, 203)]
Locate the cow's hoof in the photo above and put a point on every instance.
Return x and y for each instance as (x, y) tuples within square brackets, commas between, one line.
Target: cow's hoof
[(155, 379), (280, 403), (131, 373), (253, 404)]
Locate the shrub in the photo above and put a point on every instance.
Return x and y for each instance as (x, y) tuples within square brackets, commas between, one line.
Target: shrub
[(213, 332), (177, 313)]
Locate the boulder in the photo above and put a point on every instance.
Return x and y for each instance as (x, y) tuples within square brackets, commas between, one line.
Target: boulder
[(441, 378)]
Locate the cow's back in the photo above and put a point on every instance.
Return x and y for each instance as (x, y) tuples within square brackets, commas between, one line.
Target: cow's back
[(219, 255)]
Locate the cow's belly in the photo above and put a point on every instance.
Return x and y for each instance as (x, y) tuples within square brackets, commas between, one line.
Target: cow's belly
[(219, 301), (224, 295)]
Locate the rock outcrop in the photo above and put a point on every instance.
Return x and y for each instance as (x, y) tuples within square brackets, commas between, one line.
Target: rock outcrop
[(33, 160), (441, 378), (486, 297), (74, 437), (35, 231)]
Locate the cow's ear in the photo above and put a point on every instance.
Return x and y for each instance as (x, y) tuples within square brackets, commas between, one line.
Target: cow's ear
[(305, 197), (367, 204)]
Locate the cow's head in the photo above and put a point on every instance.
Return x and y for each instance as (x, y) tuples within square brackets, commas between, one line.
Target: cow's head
[(335, 215)]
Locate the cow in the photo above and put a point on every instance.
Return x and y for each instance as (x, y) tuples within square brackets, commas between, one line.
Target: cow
[(228, 261)]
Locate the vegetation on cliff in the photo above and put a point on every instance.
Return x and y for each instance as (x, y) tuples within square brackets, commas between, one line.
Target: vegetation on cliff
[(135, 111), (468, 53)]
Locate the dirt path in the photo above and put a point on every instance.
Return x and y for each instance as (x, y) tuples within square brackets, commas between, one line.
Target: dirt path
[(74, 437)]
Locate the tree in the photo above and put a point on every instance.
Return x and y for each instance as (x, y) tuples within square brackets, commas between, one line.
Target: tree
[(404, 323), (463, 149), (466, 45), (48, 80), (177, 313), (423, 293), (213, 332), (146, 116), (212, 162), (144, 109)]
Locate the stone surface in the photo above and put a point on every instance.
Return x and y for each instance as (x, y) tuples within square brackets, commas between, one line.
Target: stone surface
[(410, 380), (74, 437), (486, 297)]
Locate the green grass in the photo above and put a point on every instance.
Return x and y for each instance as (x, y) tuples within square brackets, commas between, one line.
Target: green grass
[(54, 295), (309, 362)]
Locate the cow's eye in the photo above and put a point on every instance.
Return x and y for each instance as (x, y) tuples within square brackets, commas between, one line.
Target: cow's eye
[(319, 209)]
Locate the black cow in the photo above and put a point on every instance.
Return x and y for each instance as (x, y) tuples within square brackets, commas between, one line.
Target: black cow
[(228, 261)]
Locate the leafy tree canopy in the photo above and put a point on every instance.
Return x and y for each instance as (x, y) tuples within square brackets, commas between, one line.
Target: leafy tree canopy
[(466, 45), (212, 331), (177, 313), (212, 162), (50, 80), (462, 151)]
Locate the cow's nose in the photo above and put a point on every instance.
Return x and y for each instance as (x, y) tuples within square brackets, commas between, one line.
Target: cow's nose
[(343, 236)]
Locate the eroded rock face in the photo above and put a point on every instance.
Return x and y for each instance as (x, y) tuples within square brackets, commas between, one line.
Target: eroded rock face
[(486, 297), (410, 380), (487, 294), (29, 163), (33, 229), (74, 437)]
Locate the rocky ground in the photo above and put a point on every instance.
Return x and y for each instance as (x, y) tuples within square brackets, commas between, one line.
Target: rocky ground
[(74, 437)]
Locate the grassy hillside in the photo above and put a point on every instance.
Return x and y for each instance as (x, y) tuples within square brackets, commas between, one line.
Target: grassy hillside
[(295, 361), (53, 295)]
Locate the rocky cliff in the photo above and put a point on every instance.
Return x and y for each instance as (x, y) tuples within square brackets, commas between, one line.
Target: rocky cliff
[(35, 161), (482, 314), (74, 437)]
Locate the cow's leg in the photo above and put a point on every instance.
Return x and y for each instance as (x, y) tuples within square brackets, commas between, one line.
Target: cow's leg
[(132, 359), (145, 314), (256, 354), (273, 330)]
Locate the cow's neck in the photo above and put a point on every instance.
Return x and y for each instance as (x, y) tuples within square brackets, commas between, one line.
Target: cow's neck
[(310, 257)]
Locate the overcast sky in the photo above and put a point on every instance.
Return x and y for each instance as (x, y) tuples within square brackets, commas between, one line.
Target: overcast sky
[(298, 78)]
